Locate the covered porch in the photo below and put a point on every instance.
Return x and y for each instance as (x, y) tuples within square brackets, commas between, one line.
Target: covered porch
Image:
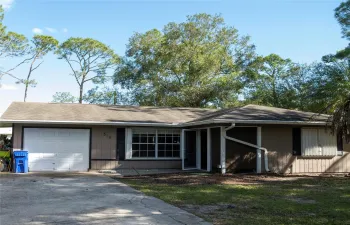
[(224, 148)]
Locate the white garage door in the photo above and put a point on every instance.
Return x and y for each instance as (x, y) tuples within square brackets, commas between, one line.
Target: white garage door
[(57, 149)]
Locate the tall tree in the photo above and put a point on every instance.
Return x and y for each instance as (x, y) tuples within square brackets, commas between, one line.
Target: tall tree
[(41, 45), (64, 97), (277, 82), (331, 84), (196, 63), (106, 95), (88, 59), (342, 14), (341, 112), (11, 45)]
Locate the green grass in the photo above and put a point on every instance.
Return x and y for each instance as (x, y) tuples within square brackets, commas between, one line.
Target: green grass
[(280, 201), (5, 154)]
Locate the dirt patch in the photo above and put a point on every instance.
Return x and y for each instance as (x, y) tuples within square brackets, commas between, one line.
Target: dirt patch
[(209, 179), (207, 209)]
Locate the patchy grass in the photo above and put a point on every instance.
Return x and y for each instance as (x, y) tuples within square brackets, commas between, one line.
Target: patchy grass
[(249, 199)]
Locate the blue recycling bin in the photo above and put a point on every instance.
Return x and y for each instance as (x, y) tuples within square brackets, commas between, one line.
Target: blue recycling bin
[(20, 160)]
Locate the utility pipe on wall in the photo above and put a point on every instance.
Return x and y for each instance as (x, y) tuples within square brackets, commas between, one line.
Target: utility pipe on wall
[(248, 144)]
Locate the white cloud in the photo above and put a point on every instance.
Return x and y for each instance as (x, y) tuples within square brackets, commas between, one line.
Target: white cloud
[(37, 30), (6, 4), (51, 30), (65, 30), (8, 87)]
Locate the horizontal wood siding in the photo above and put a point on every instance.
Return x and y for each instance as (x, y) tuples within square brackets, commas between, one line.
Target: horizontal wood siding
[(104, 143), (279, 143)]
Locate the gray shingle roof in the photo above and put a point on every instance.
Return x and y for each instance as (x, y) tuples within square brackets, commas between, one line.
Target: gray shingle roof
[(163, 115), (257, 112), (100, 113)]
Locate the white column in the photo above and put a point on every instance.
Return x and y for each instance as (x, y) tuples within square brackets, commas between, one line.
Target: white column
[(258, 151), (182, 148), (208, 150), (223, 150), (128, 140), (198, 149)]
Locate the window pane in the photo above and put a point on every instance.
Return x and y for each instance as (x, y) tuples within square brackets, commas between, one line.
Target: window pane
[(151, 153), (135, 147), (135, 153), (169, 154), (143, 147), (176, 153), (169, 138), (169, 147), (176, 138), (151, 147), (161, 146), (151, 138), (143, 138), (161, 139), (161, 153), (135, 138), (143, 153), (176, 147)]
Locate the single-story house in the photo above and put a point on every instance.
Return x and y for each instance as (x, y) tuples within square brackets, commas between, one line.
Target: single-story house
[(80, 137)]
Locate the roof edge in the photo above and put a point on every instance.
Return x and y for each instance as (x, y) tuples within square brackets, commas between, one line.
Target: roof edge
[(207, 122), (87, 123)]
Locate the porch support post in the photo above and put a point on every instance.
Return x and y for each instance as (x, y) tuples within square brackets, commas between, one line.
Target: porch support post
[(258, 151), (223, 150), (208, 150), (198, 149), (182, 147)]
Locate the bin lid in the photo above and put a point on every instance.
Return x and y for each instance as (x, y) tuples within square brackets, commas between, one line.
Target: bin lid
[(20, 153)]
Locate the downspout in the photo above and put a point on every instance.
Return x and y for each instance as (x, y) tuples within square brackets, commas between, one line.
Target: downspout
[(248, 144)]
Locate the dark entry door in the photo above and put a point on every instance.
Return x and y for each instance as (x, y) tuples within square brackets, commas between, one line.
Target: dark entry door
[(204, 149), (190, 149)]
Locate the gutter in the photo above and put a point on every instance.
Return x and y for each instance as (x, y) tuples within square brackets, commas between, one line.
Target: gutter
[(276, 122), (250, 145), (89, 123), (179, 125)]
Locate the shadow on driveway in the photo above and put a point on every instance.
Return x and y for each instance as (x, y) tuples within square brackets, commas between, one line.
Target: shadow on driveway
[(68, 198)]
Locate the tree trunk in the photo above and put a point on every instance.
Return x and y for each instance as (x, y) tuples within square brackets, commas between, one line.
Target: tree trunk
[(81, 93), (27, 84), (28, 77), (115, 98)]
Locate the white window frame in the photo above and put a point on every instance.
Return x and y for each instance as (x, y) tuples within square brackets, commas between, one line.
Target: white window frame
[(128, 146)]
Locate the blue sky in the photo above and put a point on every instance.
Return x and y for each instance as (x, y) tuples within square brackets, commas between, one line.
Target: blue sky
[(303, 30)]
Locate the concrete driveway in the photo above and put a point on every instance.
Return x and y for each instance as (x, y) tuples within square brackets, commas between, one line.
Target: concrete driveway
[(62, 198)]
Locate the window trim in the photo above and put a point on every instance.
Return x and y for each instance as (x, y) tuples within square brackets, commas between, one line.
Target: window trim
[(129, 143)]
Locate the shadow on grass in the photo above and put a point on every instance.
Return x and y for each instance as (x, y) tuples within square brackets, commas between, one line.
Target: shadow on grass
[(254, 199)]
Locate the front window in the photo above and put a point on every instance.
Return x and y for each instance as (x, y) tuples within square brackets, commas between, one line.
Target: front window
[(168, 144), (155, 143)]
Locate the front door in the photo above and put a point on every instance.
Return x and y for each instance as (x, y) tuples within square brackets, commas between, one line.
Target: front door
[(204, 149), (190, 149)]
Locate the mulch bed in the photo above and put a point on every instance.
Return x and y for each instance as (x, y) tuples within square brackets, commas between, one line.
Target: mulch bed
[(203, 179)]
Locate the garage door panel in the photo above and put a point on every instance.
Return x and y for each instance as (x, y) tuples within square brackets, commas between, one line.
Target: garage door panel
[(41, 166), (57, 149)]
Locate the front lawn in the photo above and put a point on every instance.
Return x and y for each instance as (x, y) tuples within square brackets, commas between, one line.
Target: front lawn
[(249, 199)]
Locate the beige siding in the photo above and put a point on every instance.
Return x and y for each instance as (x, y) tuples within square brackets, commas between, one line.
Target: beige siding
[(103, 149), (17, 136), (278, 141), (103, 143), (103, 139), (134, 164)]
